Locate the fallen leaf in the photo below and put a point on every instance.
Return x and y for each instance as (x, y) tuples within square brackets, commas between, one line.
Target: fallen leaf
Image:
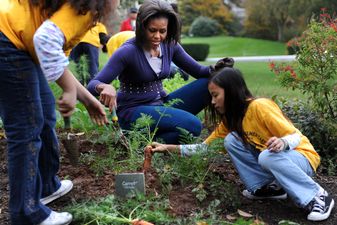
[(244, 214), (201, 223), (231, 217)]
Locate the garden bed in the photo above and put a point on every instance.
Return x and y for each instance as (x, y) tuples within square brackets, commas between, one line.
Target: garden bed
[(183, 202)]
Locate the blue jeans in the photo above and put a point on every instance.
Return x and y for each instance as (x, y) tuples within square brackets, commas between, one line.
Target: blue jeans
[(27, 109), (290, 169), (194, 96)]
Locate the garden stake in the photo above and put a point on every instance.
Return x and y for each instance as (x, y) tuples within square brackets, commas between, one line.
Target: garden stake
[(70, 143)]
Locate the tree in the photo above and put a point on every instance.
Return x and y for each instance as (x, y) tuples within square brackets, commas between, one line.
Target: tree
[(214, 9)]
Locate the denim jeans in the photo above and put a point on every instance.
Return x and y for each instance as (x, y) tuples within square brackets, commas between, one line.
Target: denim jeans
[(27, 109), (194, 96), (290, 169)]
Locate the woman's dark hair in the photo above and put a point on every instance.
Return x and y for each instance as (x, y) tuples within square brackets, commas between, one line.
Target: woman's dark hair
[(236, 101), (99, 8), (152, 9)]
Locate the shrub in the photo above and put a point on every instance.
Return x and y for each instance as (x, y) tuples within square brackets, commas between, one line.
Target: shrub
[(321, 133), (293, 46), (198, 51), (204, 27), (315, 72)]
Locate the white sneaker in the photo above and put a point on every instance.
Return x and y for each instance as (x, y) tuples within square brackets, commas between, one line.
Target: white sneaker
[(66, 186), (56, 218), (320, 207)]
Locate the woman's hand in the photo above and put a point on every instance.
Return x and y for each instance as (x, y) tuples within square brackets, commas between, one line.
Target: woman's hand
[(107, 96), (276, 144)]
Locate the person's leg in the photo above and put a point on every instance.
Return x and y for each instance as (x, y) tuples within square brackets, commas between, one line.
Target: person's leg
[(195, 96), (167, 120), (49, 153), (245, 160), (92, 53), (293, 171), (22, 116)]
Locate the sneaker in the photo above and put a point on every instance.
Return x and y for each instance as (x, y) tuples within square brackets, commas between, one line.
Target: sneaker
[(320, 207), (56, 218), (66, 186), (271, 191)]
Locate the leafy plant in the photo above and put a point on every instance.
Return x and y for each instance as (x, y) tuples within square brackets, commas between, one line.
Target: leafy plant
[(315, 74), (111, 210), (321, 132), (204, 27)]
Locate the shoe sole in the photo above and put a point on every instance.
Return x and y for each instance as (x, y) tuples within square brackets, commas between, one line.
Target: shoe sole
[(253, 197), (53, 197), (325, 216)]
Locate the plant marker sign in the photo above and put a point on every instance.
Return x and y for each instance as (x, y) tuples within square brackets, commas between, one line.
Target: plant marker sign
[(129, 184)]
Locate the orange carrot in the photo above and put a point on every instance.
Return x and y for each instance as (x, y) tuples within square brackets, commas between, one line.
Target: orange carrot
[(140, 222), (147, 158)]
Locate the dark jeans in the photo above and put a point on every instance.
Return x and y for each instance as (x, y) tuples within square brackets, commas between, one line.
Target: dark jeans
[(27, 109), (195, 97), (92, 54)]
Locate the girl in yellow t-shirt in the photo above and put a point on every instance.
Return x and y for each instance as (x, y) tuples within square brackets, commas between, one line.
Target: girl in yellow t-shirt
[(35, 37), (273, 158)]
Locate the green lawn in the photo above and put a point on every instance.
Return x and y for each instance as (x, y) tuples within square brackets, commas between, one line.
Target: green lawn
[(260, 80), (238, 46)]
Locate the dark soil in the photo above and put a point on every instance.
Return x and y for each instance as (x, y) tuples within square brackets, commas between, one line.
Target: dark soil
[(182, 201)]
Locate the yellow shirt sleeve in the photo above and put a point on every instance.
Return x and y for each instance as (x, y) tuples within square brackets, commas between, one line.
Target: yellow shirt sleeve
[(73, 25), (220, 132)]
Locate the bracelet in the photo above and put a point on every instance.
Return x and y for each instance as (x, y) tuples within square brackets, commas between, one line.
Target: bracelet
[(285, 145)]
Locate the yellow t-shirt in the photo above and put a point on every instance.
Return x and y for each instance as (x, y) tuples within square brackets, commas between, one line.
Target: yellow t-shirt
[(19, 21), (263, 120), (117, 40), (92, 35)]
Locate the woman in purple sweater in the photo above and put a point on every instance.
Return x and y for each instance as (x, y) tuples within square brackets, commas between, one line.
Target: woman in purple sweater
[(142, 63)]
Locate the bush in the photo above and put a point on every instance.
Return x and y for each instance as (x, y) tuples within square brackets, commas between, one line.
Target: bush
[(314, 73), (292, 46), (198, 51), (204, 27), (321, 133)]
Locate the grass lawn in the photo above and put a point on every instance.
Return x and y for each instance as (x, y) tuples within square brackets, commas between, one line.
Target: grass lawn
[(260, 80), (238, 46)]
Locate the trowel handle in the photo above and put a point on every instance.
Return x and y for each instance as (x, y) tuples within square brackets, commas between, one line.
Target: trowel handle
[(67, 123), (114, 117)]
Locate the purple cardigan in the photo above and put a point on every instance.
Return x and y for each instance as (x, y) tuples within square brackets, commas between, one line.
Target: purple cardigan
[(130, 65)]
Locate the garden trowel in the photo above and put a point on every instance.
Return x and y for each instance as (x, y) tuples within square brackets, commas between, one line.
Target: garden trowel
[(70, 143)]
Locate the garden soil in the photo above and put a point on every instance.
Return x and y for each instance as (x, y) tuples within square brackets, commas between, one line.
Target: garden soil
[(182, 201)]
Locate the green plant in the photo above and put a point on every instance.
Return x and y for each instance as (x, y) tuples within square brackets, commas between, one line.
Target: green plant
[(81, 69), (197, 51), (315, 74), (111, 210), (321, 132), (204, 27)]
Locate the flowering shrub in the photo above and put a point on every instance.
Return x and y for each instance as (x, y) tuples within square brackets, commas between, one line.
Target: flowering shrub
[(293, 45), (315, 72)]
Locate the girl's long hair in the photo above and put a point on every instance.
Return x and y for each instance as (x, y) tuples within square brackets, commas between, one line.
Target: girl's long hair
[(99, 8), (236, 100)]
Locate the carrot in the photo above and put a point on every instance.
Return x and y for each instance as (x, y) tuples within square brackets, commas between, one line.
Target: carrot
[(140, 222), (147, 158)]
